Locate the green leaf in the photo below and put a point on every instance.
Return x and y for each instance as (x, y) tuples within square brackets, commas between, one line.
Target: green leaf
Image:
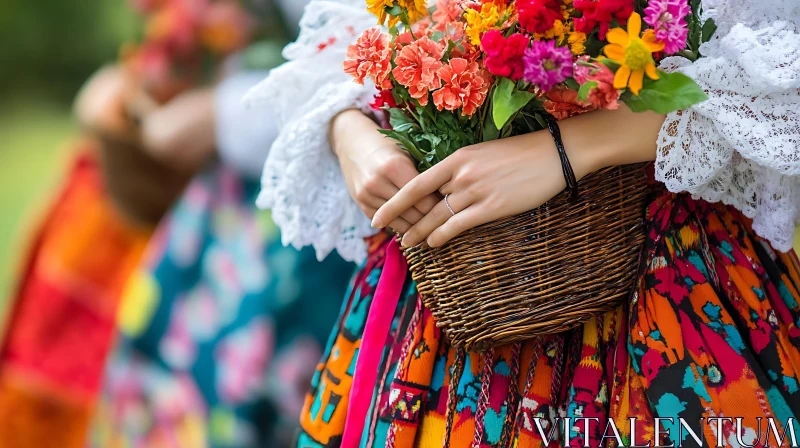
[(671, 92), (406, 144), (610, 63), (540, 119), (395, 10), (506, 102), (398, 118), (436, 36), (583, 92), (709, 28), (571, 83), (490, 131)]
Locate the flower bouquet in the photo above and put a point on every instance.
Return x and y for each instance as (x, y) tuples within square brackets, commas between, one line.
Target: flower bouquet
[(470, 71), (183, 45)]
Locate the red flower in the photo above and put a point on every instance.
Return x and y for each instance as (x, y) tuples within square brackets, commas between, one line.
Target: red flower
[(601, 13), (504, 56), (538, 16), (383, 98)]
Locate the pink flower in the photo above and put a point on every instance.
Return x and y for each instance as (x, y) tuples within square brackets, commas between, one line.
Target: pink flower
[(668, 19), (175, 27), (418, 29), (504, 55), (417, 64), (546, 64), (226, 27), (146, 6), (604, 96), (370, 57), (465, 86), (447, 11)]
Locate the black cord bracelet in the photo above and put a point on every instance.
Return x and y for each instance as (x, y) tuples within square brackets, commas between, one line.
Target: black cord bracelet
[(569, 175)]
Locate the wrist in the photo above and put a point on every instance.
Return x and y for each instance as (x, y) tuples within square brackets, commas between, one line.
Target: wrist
[(343, 126), (607, 138)]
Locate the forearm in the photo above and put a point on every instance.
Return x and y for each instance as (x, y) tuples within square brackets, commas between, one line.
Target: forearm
[(598, 139), (611, 137)]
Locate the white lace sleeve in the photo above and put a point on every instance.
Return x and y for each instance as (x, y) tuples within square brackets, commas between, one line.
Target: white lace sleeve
[(742, 146), (302, 183), (243, 136)]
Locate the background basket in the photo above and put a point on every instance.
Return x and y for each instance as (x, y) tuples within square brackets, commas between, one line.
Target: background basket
[(541, 272)]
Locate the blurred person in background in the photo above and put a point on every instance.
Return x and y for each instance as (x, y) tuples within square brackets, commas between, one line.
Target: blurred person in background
[(220, 326)]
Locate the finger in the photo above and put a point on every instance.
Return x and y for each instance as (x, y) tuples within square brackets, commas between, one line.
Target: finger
[(402, 175), (370, 201), (370, 204), (414, 191), (382, 188), (446, 189), (400, 225), (381, 193), (412, 215), (433, 220), (369, 211), (464, 220), (428, 203)]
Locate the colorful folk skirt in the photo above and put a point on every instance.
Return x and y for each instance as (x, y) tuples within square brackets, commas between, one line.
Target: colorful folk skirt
[(63, 312), (708, 344), (220, 328)]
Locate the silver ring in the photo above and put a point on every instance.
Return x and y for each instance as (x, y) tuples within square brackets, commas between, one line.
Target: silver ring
[(447, 203)]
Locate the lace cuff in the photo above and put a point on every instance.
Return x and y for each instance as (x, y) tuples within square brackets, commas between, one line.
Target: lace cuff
[(741, 146), (302, 182)]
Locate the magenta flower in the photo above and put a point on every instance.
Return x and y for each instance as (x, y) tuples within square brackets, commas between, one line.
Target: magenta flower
[(547, 65), (668, 19)]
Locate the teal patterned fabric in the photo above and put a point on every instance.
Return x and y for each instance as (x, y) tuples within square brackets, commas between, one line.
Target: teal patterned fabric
[(221, 329)]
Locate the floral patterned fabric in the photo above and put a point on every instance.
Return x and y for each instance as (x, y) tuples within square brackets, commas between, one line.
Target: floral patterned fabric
[(220, 329), (710, 331)]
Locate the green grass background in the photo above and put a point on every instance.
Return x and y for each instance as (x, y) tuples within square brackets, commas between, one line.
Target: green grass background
[(35, 137)]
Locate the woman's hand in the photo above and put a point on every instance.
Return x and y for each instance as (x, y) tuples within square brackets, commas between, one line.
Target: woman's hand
[(375, 169), (100, 107), (502, 178), (181, 133)]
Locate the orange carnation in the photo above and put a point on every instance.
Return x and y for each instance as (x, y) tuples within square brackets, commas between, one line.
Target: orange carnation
[(417, 64), (370, 57), (447, 12), (465, 86)]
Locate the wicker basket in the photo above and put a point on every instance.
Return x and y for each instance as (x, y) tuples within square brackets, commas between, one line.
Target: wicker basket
[(142, 187), (540, 272)]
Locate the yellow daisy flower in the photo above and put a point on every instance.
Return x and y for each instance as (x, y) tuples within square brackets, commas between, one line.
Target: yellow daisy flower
[(416, 9), (378, 8), (634, 54), (479, 22), (577, 43)]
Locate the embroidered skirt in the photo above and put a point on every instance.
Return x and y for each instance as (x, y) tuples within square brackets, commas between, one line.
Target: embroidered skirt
[(710, 331)]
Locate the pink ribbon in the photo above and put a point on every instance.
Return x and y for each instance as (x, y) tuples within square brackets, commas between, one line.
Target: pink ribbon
[(376, 330)]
